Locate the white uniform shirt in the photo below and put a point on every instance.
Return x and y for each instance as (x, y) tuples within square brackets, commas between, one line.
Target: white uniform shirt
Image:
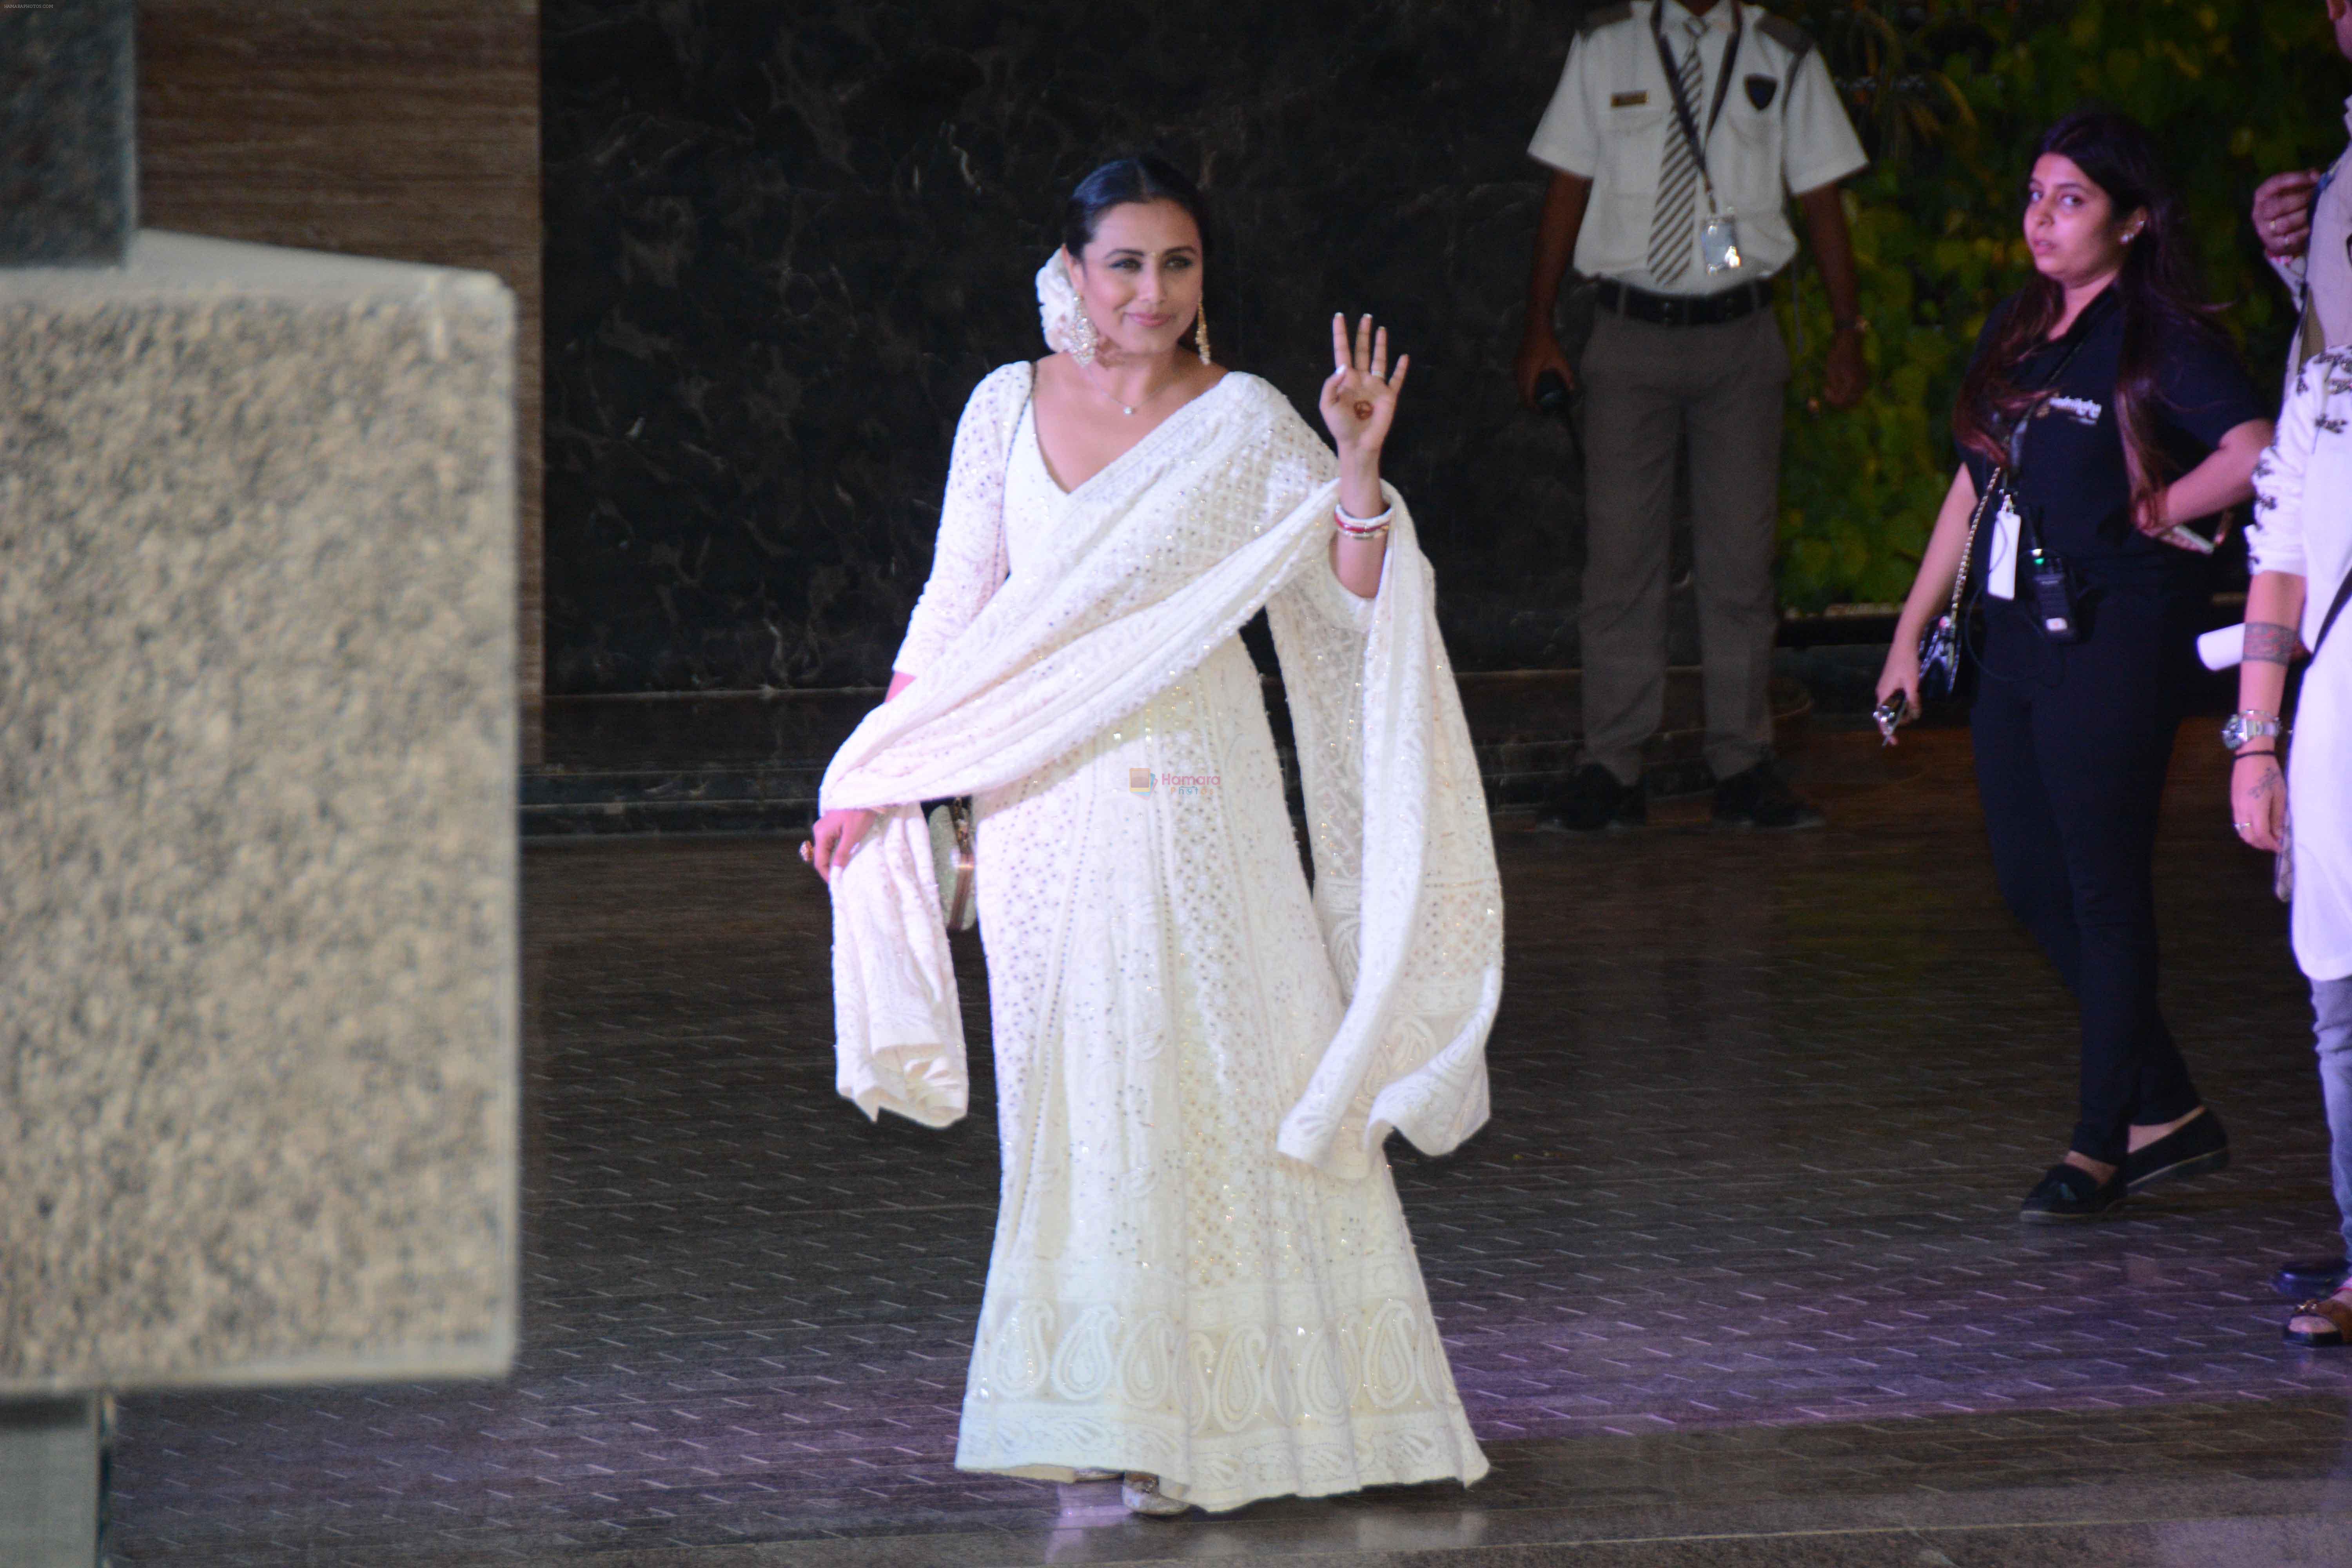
[(2303, 524), (1612, 112)]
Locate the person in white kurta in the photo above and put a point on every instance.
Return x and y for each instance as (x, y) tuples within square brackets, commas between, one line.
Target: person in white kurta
[(1166, 1294), (2300, 549), (1202, 1276)]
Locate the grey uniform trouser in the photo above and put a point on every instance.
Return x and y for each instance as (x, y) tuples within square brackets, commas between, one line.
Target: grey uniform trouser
[(1645, 386)]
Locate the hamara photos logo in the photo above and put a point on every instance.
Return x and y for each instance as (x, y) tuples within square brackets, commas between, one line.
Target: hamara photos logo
[(1143, 780)]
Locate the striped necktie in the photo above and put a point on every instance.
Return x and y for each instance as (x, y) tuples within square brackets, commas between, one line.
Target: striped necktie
[(1670, 223)]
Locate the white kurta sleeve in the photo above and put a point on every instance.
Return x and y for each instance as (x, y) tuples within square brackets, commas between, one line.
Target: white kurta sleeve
[(2274, 539), (1301, 465), (967, 560)]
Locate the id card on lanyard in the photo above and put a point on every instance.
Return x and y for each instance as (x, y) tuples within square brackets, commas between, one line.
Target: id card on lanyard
[(2008, 525), (1719, 238)]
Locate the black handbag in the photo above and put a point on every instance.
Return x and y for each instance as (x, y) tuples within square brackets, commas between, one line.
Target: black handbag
[(1939, 649)]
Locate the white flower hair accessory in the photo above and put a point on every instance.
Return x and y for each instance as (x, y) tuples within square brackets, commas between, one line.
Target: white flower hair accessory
[(1058, 304)]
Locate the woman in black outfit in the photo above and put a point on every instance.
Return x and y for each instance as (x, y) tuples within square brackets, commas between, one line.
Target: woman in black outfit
[(2120, 413)]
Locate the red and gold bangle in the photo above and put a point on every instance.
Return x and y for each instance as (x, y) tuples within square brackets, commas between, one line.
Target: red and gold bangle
[(1362, 527)]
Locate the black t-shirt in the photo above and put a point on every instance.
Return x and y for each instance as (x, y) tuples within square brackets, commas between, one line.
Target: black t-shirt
[(2071, 484)]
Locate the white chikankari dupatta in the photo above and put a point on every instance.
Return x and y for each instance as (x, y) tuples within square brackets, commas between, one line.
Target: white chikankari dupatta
[(1147, 582)]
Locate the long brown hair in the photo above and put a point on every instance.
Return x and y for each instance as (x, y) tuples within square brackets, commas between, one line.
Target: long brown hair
[(2158, 291)]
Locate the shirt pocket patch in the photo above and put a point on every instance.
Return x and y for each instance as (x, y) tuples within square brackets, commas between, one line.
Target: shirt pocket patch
[(1746, 164), (1632, 143)]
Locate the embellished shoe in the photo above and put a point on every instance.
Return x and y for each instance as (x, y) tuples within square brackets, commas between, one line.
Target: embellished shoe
[(2197, 1147), (2071, 1193), (2311, 1277), (1141, 1494)]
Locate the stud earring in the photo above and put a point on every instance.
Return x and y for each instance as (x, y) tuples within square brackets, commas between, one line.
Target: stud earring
[(1201, 330), (1084, 340)]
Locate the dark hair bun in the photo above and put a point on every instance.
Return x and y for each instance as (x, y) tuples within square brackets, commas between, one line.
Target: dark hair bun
[(1145, 177)]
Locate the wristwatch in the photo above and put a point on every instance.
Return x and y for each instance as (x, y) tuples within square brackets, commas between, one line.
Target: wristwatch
[(2249, 725)]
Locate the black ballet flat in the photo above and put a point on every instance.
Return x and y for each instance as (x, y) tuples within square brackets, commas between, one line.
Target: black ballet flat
[(2197, 1147), (2069, 1192)]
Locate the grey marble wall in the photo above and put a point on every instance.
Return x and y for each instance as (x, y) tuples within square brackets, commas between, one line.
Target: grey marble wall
[(257, 820), (67, 181), (784, 241)]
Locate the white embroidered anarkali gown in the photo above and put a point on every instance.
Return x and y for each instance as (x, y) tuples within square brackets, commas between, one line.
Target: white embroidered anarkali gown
[(1166, 1293)]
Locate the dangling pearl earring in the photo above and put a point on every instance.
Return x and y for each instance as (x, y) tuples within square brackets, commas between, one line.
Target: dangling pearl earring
[(1084, 341), (1201, 330)]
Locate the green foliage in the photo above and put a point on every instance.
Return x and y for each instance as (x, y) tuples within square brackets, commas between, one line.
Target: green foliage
[(1950, 97)]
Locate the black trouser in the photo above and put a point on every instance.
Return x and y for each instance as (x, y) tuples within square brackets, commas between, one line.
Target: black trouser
[(2072, 741)]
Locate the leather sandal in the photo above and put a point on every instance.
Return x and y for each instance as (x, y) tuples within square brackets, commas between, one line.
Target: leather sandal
[(2334, 1310)]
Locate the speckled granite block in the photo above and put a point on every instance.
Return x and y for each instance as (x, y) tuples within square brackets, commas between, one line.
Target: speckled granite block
[(257, 820), (68, 144)]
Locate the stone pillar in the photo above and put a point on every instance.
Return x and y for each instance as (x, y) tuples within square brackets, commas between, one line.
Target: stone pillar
[(257, 1009), (258, 851), (402, 129)]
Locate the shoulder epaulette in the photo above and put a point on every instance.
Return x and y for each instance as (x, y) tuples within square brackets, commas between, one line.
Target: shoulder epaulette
[(1601, 17), (1786, 34)]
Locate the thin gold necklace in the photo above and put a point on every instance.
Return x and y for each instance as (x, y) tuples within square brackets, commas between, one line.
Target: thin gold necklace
[(1129, 410)]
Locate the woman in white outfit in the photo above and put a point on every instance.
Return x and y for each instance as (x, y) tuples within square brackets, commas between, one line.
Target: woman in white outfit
[(1202, 1277), (2301, 548)]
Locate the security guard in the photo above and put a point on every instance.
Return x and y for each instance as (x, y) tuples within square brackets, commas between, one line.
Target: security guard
[(1678, 131)]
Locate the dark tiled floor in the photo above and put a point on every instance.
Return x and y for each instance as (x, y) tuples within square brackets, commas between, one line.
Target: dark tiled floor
[(1735, 1276)]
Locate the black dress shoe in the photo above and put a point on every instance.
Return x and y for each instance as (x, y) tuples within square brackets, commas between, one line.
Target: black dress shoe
[(1760, 797), (2071, 1193), (2197, 1147), (1596, 801), (2309, 1277)]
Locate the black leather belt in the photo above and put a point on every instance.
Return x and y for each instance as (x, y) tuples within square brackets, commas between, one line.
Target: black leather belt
[(1683, 309)]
